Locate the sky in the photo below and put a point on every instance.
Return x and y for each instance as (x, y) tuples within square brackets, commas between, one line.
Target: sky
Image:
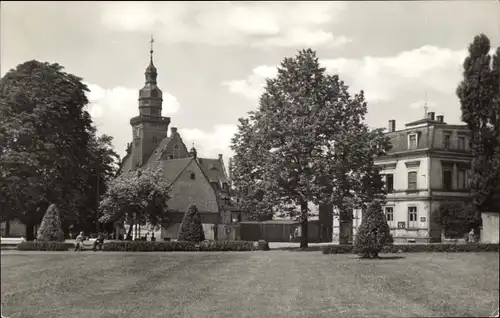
[(213, 57)]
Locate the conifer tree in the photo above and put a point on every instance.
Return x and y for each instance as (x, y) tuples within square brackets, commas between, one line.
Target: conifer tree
[(51, 229), (191, 229), (373, 233)]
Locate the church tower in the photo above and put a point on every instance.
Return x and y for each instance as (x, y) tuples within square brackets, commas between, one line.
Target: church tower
[(149, 128)]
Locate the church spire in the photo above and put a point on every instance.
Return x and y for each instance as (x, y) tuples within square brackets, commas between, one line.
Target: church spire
[(150, 96), (151, 73)]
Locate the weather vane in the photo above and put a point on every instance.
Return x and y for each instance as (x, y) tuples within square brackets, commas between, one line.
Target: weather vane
[(151, 43)]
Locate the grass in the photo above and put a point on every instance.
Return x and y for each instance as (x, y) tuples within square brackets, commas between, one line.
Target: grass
[(253, 284)]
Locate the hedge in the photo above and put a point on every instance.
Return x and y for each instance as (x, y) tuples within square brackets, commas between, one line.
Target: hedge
[(44, 246), (178, 246), (416, 248)]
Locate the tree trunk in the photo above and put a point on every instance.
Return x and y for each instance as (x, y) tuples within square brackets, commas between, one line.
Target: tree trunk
[(7, 228), (303, 226), (30, 227), (129, 233), (343, 228)]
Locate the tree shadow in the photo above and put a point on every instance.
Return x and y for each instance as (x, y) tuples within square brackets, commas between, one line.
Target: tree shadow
[(380, 258), (298, 249)]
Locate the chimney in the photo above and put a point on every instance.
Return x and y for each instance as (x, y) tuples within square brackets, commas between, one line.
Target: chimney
[(430, 115), (220, 157), (392, 125), (173, 130), (440, 119)]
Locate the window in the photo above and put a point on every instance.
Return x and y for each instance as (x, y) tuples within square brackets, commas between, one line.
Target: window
[(176, 153), (412, 141), (412, 180), (192, 175), (389, 214), (461, 142), (462, 183), (412, 216), (155, 140), (447, 178), (447, 141), (389, 182)]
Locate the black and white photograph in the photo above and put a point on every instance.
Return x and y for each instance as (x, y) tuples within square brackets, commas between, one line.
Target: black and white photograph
[(253, 159)]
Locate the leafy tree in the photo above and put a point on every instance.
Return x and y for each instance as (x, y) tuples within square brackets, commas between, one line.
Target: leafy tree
[(306, 143), (479, 95), (373, 233), (44, 134), (136, 197), (457, 218), (50, 229), (102, 163), (191, 229)]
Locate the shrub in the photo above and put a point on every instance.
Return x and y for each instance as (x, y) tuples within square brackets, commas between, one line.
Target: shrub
[(44, 246), (373, 233), (178, 246), (191, 229), (419, 248), (51, 230), (457, 219)]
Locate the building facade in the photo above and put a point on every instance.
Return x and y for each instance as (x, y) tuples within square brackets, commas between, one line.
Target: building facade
[(428, 166)]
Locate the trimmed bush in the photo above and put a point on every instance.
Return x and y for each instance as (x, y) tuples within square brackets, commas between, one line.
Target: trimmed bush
[(191, 229), (51, 230), (419, 248), (44, 246), (178, 246), (373, 233)]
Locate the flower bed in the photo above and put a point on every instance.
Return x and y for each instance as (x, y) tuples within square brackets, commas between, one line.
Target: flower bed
[(418, 248), (178, 246), (44, 246)]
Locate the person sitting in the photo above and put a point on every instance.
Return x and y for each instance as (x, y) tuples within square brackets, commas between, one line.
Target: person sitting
[(79, 242), (99, 242)]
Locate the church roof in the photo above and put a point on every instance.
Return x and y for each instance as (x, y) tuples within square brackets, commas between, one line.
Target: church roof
[(213, 169), (172, 168), (159, 150)]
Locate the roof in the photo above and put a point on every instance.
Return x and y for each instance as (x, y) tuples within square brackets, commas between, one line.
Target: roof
[(157, 153), (172, 168), (424, 121), (213, 169)]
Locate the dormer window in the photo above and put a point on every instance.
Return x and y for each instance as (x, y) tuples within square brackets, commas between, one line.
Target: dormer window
[(412, 141)]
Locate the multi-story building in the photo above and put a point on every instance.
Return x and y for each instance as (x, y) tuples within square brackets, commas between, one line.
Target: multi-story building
[(428, 165)]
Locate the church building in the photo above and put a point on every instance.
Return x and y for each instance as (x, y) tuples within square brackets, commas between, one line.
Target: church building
[(195, 180)]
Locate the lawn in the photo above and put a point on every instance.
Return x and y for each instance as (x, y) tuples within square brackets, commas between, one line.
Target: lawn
[(247, 284)]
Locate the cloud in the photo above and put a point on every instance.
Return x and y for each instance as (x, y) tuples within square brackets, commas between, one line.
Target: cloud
[(112, 108), (381, 78), (210, 143), (285, 24)]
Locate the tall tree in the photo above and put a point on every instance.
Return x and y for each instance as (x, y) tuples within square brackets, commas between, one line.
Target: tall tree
[(45, 143), (479, 95), (137, 197), (102, 165), (306, 143)]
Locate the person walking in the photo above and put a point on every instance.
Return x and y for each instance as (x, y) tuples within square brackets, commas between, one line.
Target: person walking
[(79, 242)]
